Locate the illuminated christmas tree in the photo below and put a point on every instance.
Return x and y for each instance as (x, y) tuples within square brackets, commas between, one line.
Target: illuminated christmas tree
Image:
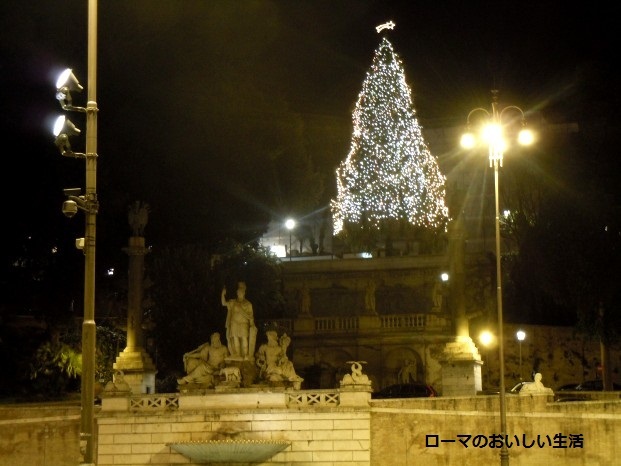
[(390, 185)]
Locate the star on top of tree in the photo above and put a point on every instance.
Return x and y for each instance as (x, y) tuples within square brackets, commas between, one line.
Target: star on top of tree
[(388, 25)]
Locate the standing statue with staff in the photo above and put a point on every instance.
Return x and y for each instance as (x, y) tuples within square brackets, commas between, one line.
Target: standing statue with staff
[(241, 332)]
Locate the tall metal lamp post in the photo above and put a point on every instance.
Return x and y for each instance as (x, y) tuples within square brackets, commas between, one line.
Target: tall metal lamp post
[(520, 335), (492, 135), (63, 129), (290, 224)]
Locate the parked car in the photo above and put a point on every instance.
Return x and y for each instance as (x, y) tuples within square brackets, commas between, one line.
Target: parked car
[(406, 390), (568, 386), (596, 385), (489, 391), (517, 387), (567, 395), (495, 391)]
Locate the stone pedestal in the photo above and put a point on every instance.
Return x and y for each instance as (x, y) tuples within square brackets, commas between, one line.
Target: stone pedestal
[(461, 368), (355, 395), (138, 369)]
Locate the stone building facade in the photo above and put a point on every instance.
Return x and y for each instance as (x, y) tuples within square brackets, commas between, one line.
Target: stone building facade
[(386, 311), (383, 311)]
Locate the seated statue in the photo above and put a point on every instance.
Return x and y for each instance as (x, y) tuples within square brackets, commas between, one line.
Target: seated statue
[(203, 364), (272, 361)]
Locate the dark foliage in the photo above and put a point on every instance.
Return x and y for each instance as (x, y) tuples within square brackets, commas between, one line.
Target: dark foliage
[(568, 235)]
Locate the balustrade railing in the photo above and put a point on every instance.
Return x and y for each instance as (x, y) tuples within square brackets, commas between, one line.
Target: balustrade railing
[(337, 324), (170, 401), (356, 324), (403, 321), (157, 402), (313, 398)]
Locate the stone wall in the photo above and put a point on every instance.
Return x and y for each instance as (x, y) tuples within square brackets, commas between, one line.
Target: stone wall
[(326, 428), (319, 428), (37, 434), (427, 432)]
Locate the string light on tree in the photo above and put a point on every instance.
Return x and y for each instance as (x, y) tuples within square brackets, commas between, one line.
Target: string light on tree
[(389, 173)]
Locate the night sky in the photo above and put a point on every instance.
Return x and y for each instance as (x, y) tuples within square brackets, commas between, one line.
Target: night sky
[(195, 97)]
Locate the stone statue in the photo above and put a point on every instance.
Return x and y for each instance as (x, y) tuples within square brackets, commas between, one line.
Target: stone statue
[(138, 217), (356, 377), (241, 333), (536, 387), (232, 376), (118, 384), (437, 296), (205, 363), (407, 373), (272, 361), (305, 300), (369, 297)]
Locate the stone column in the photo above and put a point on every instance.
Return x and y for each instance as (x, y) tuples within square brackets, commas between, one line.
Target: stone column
[(461, 361), (457, 260), (135, 363)]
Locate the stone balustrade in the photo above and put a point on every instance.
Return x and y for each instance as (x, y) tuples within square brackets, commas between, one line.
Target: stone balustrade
[(242, 398)]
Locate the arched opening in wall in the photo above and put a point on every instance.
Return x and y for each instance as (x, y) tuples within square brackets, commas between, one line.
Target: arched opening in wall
[(401, 365), (333, 367), (306, 367)]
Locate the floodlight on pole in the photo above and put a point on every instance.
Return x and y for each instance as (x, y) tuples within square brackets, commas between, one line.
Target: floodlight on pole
[(492, 135), (65, 84), (63, 130)]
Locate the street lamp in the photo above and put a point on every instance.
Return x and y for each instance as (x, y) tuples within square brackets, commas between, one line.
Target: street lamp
[(521, 334), (486, 338), (63, 130), (290, 224), (493, 135)]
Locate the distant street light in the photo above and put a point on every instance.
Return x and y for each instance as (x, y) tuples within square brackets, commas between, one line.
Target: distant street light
[(521, 334), (486, 338), (290, 224), (492, 135)]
